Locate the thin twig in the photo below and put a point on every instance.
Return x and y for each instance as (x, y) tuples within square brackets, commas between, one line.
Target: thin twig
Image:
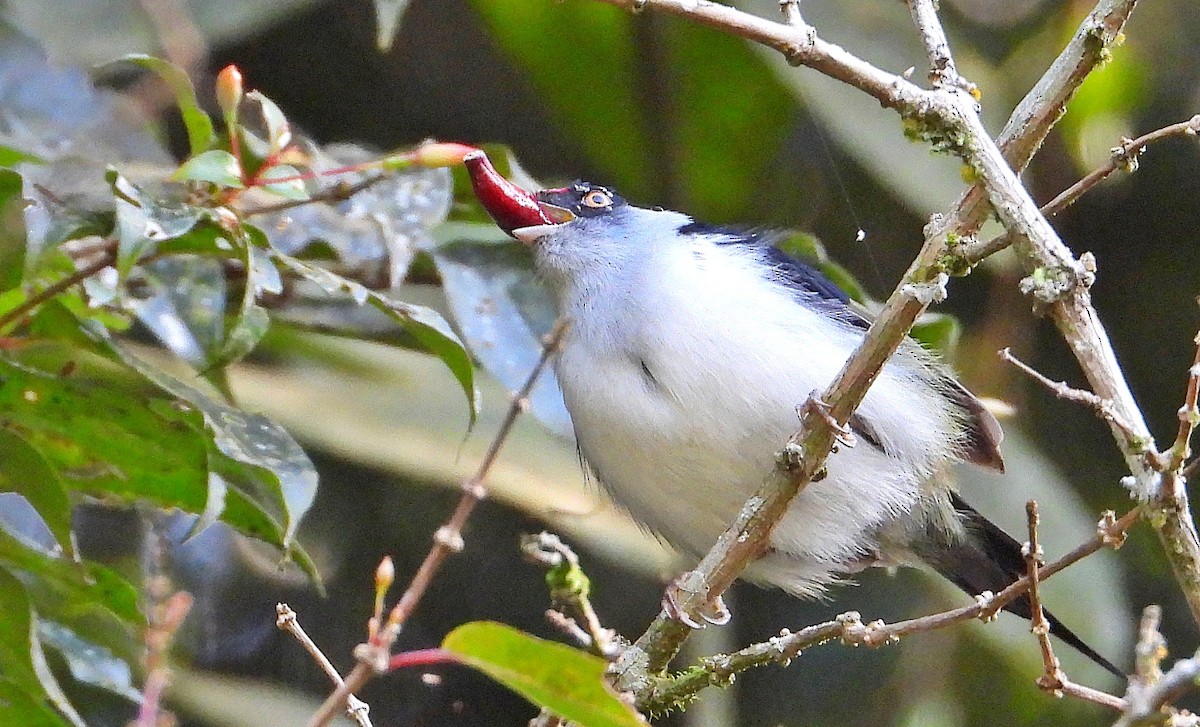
[(1124, 156), (664, 693), (56, 288), (338, 192), (1054, 680), (548, 550), (448, 540), (1103, 408), (942, 71), (285, 618), (1189, 416)]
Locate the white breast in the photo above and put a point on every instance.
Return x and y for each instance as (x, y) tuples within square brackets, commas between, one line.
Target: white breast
[(682, 390)]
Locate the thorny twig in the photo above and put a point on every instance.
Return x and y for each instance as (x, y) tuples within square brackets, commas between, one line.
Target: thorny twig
[(1102, 407), (668, 692), (285, 618), (448, 540), (1054, 679)]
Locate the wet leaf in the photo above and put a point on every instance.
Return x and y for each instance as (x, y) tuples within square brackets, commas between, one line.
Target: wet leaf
[(256, 456), (289, 186), (183, 305), (25, 471), (88, 662), (279, 133), (425, 325), (198, 124), (89, 598), (503, 312), (251, 321), (215, 165), (568, 682), (123, 445)]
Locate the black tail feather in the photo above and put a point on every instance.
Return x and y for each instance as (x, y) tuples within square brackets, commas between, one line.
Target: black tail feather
[(990, 560)]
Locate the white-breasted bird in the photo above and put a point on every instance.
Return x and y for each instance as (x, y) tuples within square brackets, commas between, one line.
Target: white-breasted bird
[(690, 348)]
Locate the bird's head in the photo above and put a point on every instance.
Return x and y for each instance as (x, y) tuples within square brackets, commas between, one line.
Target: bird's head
[(577, 231)]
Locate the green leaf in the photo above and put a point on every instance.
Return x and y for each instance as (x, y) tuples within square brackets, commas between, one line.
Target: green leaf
[(251, 322), (122, 445), (937, 332), (15, 629), (89, 599), (10, 157), (18, 707), (25, 471), (89, 662), (568, 682), (256, 456), (425, 325), (737, 116), (583, 60), (809, 249), (215, 165), (291, 186), (279, 132), (12, 239), (199, 125)]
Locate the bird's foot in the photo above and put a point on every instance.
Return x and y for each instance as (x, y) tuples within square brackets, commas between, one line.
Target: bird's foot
[(814, 405), (716, 613)]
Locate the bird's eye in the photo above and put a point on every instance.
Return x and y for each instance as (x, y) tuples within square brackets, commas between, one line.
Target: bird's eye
[(597, 198)]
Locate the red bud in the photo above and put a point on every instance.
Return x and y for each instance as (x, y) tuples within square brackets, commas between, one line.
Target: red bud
[(509, 205)]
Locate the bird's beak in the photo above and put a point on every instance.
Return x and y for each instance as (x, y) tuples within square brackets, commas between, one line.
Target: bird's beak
[(517, 212)]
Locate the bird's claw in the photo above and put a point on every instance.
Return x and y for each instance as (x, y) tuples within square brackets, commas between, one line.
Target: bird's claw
[(715, 613), (842, 432)]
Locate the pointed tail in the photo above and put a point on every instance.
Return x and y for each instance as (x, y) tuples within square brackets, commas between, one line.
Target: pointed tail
[(989, 559)]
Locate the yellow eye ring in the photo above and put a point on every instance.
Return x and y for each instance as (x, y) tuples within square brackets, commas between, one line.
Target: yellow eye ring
[(597, 198)]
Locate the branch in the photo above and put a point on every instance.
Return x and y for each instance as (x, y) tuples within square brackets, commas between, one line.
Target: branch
[(667, 692), (109, 257), (1102, 407), (338, 192), (373, 656), (1150, 691), (942, 71), (285, 619), (1124, 156), (1054, 679)]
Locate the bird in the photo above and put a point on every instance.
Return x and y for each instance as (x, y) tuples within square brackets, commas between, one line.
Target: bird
[(690, 347)]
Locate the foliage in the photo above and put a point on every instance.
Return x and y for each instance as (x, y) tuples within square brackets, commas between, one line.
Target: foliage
[(101, 265)]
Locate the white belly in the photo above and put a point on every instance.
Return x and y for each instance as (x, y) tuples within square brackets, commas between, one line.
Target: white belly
[(683, 447)]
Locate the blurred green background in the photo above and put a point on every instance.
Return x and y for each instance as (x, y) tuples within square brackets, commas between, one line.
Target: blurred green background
[(680, 116)]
